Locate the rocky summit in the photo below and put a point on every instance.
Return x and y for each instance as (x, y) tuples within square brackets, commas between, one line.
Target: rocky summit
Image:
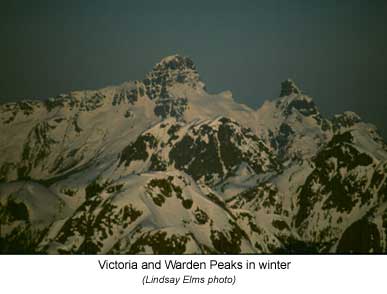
[(159, 165)]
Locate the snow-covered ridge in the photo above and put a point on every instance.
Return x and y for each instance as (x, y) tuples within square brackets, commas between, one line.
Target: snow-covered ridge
[(160, 165)]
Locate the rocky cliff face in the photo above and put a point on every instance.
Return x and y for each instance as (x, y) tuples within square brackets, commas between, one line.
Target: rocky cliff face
[(162, 166)]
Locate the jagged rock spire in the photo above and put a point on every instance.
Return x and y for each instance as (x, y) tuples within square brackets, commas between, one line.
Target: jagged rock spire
[(169, 71), (288, 87), (175, 62)]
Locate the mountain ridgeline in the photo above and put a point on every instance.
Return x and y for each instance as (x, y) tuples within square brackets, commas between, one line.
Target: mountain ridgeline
[(160, 165)]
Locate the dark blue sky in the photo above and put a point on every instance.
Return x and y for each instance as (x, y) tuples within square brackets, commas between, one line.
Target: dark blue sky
[(336, 51)]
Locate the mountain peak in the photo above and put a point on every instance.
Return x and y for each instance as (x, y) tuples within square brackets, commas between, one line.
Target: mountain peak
[(171, 70), (288, 87), (345, 120), (175, 62), (291, 99)]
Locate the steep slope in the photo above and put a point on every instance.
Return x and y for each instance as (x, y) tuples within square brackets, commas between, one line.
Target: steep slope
[(27, 210), (210, 151), (69, 131), (163, 212), (292, 124), (347, 185)]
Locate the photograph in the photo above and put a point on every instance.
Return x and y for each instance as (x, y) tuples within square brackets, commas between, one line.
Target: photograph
[(193, 128)]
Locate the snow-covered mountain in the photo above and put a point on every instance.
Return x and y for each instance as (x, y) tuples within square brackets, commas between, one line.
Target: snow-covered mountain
[(162, 166)]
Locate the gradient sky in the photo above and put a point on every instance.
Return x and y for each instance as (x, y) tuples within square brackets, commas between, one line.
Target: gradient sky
[(336, 51)]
